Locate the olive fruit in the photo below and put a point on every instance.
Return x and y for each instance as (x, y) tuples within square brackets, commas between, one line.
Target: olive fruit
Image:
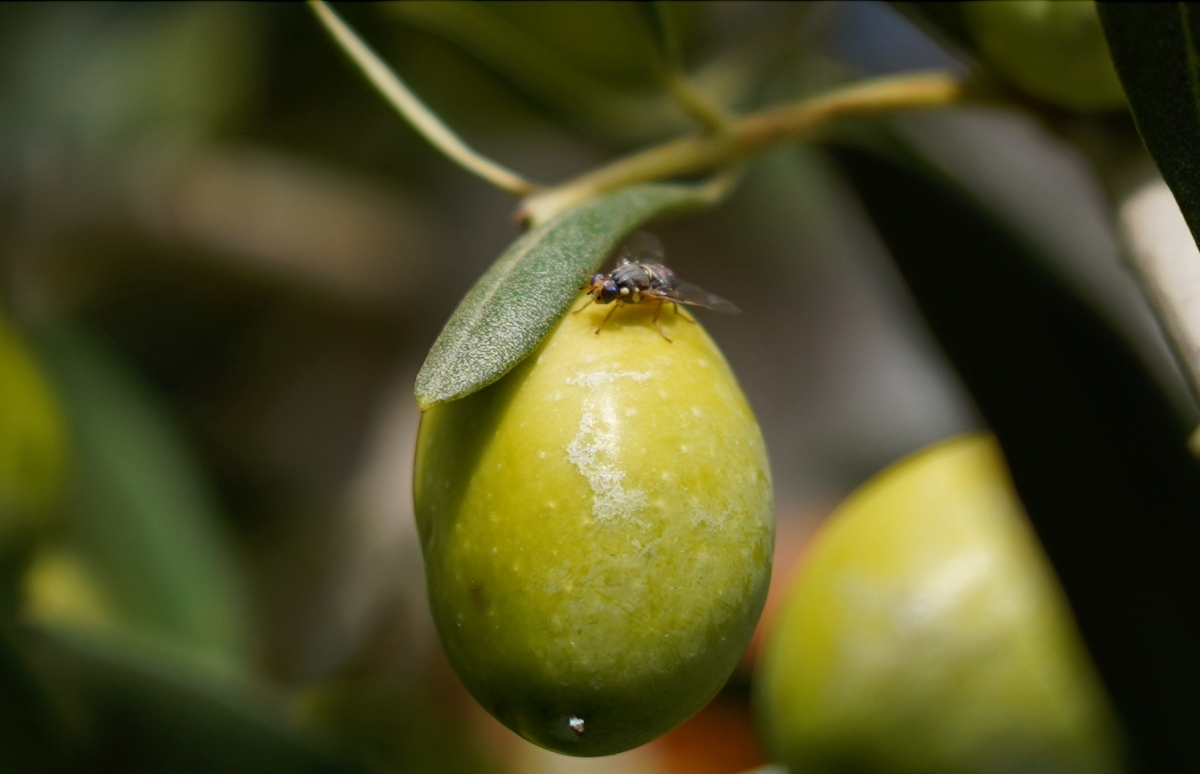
[(1053, 49), (925, 632), (597, 530)]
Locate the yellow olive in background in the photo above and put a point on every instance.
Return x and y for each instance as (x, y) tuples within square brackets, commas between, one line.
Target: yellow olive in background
[(925, 633), (1053, 49), (597, 530), (62, 591), (32, 441)]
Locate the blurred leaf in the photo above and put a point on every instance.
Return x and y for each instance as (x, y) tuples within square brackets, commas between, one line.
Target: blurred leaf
[(527, 290), (100, 75), (142, 717), (660, 24), (143, 521), (591, 103), (408, 727), (1096, 453), (32, 442), (32, 738), (1156, 48)]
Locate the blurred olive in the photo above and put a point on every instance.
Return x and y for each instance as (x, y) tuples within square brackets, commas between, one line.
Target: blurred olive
[(1053, 49), (926, 633)]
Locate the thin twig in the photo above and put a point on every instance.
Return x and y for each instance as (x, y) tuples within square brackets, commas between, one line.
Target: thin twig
[(671, 71), (747, 136), (721, 184), (410, 107), (695, 104)]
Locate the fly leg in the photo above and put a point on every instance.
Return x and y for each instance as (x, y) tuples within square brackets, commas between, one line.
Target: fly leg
[(677, 314), (610, 314), (654, 320), (585, 306)]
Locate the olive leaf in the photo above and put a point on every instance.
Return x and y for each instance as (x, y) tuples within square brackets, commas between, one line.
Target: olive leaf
[(33, 735), (1096, 452), (513, 306), (1155, 49), (164, 715), (142, 516)]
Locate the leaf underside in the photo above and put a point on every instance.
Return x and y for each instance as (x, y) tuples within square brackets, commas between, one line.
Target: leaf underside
[(1096, 452), (1155, 49), (516, 303)]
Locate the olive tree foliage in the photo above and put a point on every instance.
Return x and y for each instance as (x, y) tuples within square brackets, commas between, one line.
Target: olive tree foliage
[(1097, 446), (1098, 455)]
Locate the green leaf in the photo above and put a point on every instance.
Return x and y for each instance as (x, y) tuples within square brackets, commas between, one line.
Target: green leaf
[(32, 444), (1096, 451), (33, 736), (142, 517), (527, 290), (1156, 49), (512, 47), (145, 716)]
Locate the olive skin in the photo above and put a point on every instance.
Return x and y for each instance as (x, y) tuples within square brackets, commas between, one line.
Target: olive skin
[(597, 529), (925, 633)]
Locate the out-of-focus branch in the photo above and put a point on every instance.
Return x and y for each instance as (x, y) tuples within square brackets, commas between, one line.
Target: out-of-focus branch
[(671, 72)]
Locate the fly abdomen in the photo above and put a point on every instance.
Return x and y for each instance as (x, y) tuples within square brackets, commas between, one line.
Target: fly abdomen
[(662, 279)]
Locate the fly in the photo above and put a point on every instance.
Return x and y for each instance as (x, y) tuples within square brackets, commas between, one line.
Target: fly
[(640, 276)]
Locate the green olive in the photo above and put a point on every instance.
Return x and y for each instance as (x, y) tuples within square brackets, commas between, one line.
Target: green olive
[(1053, 49), (597, 530), (925, 633)]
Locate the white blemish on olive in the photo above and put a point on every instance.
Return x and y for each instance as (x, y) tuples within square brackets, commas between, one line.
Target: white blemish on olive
[(595, 450), (598, 378)]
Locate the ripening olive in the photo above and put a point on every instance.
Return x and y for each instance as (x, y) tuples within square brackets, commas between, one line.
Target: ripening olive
[(597, 529), (925, 633)]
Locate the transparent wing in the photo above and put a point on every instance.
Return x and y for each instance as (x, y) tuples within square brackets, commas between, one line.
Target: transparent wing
[(641, 247), (694, 295)]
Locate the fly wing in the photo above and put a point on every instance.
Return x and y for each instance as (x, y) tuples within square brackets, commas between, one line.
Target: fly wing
[(641, 247), (694, 295)]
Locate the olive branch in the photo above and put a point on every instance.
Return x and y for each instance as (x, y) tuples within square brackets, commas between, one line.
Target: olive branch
[(720, 147)]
